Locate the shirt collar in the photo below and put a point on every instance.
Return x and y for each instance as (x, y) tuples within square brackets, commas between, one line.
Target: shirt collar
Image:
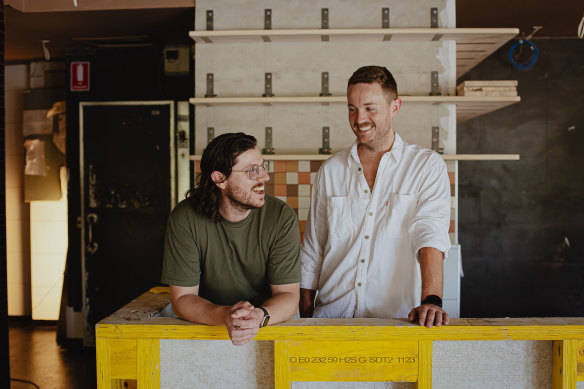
[(396, 151)]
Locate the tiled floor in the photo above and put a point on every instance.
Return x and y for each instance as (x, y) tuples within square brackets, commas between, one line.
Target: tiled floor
[(35, 356)]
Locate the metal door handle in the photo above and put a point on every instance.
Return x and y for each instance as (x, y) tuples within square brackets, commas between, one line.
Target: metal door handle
[(91, 245)]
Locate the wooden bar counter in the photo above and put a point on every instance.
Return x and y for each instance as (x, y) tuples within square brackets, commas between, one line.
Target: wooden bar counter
[(143, 343)]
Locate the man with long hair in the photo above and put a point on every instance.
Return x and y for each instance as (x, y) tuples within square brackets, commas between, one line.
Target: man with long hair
[(231, 255), (377, 229)]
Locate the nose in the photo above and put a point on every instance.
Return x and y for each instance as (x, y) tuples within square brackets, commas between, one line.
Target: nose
[(360, 116), (263, 175)]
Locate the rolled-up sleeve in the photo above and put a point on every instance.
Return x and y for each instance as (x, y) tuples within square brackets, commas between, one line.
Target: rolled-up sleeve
[(431, 221)]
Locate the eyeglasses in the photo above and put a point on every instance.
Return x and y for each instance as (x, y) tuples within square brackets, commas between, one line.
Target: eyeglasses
[(254, 170)]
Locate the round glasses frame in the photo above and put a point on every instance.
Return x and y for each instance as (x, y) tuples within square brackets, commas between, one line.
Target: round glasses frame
[(254, 170)]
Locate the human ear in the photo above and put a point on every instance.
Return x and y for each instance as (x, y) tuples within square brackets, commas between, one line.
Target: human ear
[(396, 106), (219, 179)]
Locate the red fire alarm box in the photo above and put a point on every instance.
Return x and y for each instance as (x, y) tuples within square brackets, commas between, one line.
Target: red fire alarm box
[(79, 76)]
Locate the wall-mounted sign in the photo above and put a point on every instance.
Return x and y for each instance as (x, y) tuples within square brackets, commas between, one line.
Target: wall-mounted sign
[(79, 76)]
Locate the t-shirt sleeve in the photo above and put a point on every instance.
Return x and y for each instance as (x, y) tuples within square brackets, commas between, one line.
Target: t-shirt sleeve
[(181, 265), (284, 259)]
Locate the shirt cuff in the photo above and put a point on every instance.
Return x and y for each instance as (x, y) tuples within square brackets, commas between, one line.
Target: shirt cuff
[(309, 281), (437, 245)]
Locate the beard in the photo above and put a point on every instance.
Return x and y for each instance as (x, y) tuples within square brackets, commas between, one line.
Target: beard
[(241, 200)]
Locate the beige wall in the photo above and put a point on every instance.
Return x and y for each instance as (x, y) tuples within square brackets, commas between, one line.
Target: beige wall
[(17, 212)]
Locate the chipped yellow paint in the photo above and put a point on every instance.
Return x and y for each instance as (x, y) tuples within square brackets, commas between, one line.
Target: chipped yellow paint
[(102, 354), (564, 364), (580, 361), (281, 365), (148, 363), (123, 358), (353, 361), (425, 365)]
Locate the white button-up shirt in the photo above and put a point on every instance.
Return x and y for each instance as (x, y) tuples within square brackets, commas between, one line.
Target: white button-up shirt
[(360, 246)]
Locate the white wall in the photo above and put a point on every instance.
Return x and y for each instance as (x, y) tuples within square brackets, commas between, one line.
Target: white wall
[(17, 211)]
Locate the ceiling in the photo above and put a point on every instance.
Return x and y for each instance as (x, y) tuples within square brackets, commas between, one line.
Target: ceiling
[(26, 31)]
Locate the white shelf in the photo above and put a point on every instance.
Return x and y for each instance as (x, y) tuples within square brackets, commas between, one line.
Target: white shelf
[(467, 106), (323, 157), (473, 45)]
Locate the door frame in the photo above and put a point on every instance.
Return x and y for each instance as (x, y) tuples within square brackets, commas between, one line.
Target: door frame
[(82, 222)]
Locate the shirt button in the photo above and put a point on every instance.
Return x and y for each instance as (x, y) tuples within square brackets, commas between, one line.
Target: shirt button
[(362, 261), (366, 236), (366, 191), (359, 284), (370, 214), (359, 169)]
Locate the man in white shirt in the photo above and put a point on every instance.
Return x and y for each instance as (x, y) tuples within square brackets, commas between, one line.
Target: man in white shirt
[(377, 230)]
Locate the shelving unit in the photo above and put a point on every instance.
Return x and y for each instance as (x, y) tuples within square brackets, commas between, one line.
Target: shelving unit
[(467, 107), (473, 45)]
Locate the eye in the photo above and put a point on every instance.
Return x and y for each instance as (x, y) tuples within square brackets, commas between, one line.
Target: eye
[(352, 109), (370, 109)]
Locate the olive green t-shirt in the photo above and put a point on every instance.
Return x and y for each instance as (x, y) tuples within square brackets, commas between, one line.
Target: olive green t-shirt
[(229, 261)]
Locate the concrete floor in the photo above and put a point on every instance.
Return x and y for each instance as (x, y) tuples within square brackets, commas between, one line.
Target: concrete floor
[(35, 356)]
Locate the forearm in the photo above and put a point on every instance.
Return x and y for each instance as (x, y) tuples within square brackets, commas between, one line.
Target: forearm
[(199, 310), (307, 302), (282, 306), (431, 266)]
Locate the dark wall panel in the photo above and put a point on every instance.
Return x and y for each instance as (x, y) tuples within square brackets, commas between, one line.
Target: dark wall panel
[(522, 222)]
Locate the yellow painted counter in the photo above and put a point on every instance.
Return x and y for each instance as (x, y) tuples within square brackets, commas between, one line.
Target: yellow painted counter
[(129, 342)]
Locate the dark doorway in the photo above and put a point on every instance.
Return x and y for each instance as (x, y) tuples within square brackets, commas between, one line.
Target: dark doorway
[(127, 154)]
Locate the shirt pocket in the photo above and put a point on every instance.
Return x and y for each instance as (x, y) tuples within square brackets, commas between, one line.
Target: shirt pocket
[(339, 217), (399, 212)]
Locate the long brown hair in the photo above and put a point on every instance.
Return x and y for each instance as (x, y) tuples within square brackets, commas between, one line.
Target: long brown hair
[(219, 155)]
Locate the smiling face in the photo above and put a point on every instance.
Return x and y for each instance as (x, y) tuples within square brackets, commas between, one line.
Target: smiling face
[(239, 192), (371, 115)]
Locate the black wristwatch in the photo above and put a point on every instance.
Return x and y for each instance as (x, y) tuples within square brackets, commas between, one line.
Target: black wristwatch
[(266, 318), (433, 299)]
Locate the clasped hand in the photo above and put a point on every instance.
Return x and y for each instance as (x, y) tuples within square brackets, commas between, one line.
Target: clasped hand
[(243, 322)]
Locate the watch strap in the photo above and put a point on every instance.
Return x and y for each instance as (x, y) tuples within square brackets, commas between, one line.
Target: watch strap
[(266, 318), (433, 299)]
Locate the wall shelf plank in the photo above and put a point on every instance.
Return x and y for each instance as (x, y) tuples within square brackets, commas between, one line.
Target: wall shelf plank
[(467, 106), (473, 45), (323, 157)]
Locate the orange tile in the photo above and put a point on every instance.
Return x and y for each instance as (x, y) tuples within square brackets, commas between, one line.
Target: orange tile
[(279, 190), (291, 166), (280, 178), (292, 201), (197, 166), (451, 229), (279, 166), (452, 177), (304, 178)]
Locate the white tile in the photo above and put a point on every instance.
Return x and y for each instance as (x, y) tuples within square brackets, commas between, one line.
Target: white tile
[(49, 210), (283, 198), (46, 302), (17, 235), (302, 214), (304, 202), (16, 77), (14, 139), (312, 175), (14, 171), (303, 190), (19, 298), (303, 166), (16, 208), (48, 237), (46, 269), (18, 267), (291, 178), (13, 106)]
